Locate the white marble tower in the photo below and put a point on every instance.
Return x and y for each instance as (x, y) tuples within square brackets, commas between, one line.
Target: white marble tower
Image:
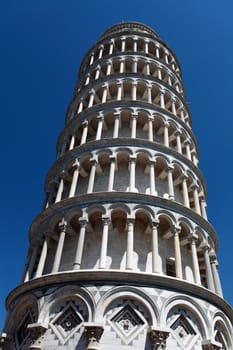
[(122, 256)]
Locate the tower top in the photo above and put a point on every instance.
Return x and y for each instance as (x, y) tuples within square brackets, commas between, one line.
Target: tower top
[(128, 26)]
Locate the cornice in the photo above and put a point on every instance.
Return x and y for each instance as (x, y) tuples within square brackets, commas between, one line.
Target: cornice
[(116, 277)]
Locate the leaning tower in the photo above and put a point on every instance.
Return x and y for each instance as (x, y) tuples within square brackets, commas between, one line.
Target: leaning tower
[(122, 255)]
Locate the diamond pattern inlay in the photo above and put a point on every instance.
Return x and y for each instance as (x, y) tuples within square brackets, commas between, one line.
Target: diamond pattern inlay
[(66, 323), (127, 323)]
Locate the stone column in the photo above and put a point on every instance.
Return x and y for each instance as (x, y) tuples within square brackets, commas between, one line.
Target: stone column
[(74, 182), (93, 162), (203, 208), (123, 44), (188, 153), (159, 73), (109, 66), (155, 248), (72, 142), (80, 245), (122, 65), (111, 46), (92, 58), (80, 107), (84, 133), (149, 87), (165, 135), (182, 115), (174, 106), (134, 90), (31, 265), (111, 172), (101, 51), (135, 45), (178, 141), (170, 182), (97, 73), (105, 93), (216, 278), (100, 119), (162, 103), (148, 68), (196, 199), (132, 174), (87, 79), (104, 244), (196, 269), (146, 48), (157, 52), (133, 125), (185, 191), (178, 262), (135, 63), (42, 260), (130, 244), (153, 191), (209, 276), (60, 245), (116, 124), (150, 129), (158, 338), (91, 98), (60, 188), (119, 91), (94, 332)]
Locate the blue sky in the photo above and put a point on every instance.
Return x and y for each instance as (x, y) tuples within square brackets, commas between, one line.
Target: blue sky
[(42, 44)]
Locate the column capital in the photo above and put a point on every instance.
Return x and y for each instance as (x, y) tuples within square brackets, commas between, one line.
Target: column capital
[(184, 177), (94, 159), (213, 259), (94, 332), (82, 221), (132, 157), (192, 237), (112, 157), (134, 115), (130, 220), (76, 163), (155, 223), (166, 123), (100, 116), (178, 132), (170, 167), (187, 142), (211, 345), (158, 338), (63, 225), (36, 331), (119, 83), (150, 117), (175, 229), (117, 114), (85, 123), (105, 219)]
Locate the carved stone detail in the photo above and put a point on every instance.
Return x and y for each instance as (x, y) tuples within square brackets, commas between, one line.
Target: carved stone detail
[(158, 338), (94, 332), (211, 345), (36, 331)]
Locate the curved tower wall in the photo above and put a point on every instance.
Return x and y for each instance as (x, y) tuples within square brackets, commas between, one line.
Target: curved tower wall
[(122, 256)]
